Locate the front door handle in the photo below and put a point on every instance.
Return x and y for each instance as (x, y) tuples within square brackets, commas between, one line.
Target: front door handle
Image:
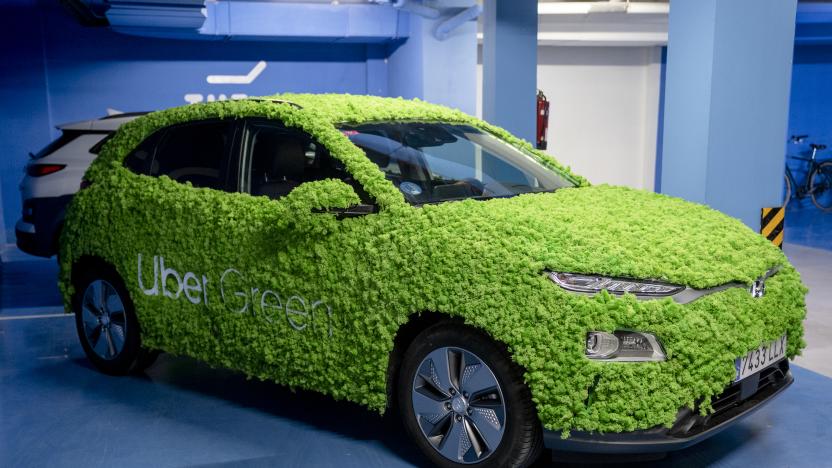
[(351, 212)]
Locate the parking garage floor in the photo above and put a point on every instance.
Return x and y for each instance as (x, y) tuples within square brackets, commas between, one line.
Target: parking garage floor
[(55, 410)]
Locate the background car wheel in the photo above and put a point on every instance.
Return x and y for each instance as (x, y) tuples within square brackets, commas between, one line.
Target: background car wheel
[(463, 401), (106, 323), (788, 191), (820, 185)]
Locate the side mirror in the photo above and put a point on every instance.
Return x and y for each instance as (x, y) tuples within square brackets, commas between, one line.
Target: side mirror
[(306, 207)]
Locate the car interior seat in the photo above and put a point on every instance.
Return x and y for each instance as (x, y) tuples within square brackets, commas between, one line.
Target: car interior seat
[(279, 165)]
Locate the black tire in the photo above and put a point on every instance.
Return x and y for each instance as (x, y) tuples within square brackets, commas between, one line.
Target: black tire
[(146, 359), (788, 195), (820, 186), (130, 357), (522, 438)]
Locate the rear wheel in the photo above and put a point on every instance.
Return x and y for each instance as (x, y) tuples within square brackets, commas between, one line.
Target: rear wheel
[(820, 186), (106, 323), (464, 402)]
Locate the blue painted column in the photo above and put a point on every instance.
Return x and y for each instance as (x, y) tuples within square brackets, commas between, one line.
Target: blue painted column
[(509, 65), (726, 103)]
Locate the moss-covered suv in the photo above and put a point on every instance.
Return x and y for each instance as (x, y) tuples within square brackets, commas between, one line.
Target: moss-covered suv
[(401, 254)]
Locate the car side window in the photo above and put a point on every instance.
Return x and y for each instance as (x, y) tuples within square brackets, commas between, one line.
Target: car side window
[(281, 159), (196, 152), (140, 159)]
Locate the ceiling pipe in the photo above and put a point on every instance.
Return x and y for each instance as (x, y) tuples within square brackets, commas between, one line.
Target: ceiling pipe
[(415, 8), (445, 28)]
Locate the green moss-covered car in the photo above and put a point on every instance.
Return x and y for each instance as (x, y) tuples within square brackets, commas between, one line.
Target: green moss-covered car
[(404, 255)]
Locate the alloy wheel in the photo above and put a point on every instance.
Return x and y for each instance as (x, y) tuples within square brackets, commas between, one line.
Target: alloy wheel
[(820, 186), (104, 319), (459, 405)]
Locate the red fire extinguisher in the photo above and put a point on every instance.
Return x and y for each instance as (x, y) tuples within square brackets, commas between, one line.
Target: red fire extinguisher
[(542, 119)]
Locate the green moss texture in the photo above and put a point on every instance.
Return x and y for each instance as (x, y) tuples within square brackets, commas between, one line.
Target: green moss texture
[(316, 302)]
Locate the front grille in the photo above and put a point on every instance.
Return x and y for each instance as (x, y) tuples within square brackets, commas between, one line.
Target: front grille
[(732, 395), (737, 398)]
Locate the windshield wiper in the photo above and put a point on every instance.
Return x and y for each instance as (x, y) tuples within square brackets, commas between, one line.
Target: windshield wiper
[(474, 197), (484, 197)]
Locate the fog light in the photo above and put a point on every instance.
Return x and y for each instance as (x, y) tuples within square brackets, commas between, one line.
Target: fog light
[(600, 345), (623, 345)]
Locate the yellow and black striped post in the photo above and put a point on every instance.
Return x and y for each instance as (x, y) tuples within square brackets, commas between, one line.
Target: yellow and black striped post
[(772, 223)]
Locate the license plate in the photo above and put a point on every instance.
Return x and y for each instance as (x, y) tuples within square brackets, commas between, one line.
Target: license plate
[(760, 358)]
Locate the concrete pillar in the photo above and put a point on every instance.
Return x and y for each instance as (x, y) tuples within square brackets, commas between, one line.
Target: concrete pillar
[(509, 65), (726, 103)]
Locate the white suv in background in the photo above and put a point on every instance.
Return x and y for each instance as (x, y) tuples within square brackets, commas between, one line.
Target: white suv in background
[(52, 177)]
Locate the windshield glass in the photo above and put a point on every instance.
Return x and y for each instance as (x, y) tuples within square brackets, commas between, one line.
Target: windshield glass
[(434, 162)]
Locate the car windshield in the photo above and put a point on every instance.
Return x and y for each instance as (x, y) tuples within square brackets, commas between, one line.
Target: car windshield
[(434, 162)]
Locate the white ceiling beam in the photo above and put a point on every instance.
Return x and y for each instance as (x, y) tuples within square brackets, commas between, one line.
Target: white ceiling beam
[(584, 8)]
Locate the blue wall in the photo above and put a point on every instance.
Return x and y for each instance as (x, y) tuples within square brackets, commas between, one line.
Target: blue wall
[(810, 111), (53, 71)]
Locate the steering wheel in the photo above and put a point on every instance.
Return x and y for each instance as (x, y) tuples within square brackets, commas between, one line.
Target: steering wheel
[(477, 187)]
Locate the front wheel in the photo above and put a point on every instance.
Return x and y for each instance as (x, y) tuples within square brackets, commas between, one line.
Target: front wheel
[(464, 402), (106, 323), (820, 186)]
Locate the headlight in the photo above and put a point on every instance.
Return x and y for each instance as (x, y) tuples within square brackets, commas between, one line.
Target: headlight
[(593, 284), (623, 345)]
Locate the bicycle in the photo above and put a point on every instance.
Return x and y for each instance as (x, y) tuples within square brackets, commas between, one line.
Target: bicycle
[(818, 183)]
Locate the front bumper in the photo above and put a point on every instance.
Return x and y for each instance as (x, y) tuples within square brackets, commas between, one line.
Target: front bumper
[(735, 403)]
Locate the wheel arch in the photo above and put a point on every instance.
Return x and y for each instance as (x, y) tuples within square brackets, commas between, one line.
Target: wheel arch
[(407, 332), (416, 323), (88, 262), (83, 264)]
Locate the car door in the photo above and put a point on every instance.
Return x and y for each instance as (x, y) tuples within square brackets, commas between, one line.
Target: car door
[(179, 208), (283, 298)]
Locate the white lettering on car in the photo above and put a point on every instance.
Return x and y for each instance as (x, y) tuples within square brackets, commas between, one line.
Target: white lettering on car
[(236, 295), (265, 305), (241, 294), (293, 313), (189, 283), (155, 289), (166, 274)]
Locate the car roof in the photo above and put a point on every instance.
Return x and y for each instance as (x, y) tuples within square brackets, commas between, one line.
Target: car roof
[(316, 109), (108, 123)]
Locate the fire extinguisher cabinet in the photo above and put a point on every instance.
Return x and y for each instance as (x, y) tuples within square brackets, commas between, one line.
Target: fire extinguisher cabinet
[(542, 120)]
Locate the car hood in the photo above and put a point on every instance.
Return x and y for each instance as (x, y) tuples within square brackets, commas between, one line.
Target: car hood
[(606, 230)]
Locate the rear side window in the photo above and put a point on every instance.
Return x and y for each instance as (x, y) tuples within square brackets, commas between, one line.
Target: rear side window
[(66, 137), (140, 160), (197, 153), (96, 148)]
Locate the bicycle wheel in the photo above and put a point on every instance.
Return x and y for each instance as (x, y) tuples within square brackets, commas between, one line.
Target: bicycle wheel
[(820, 186), (788, 196)]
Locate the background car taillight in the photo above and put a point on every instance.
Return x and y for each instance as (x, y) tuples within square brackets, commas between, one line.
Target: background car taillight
[(38, 170)]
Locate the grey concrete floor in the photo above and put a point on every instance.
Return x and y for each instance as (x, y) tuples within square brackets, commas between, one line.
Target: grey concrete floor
[(815, 267)]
